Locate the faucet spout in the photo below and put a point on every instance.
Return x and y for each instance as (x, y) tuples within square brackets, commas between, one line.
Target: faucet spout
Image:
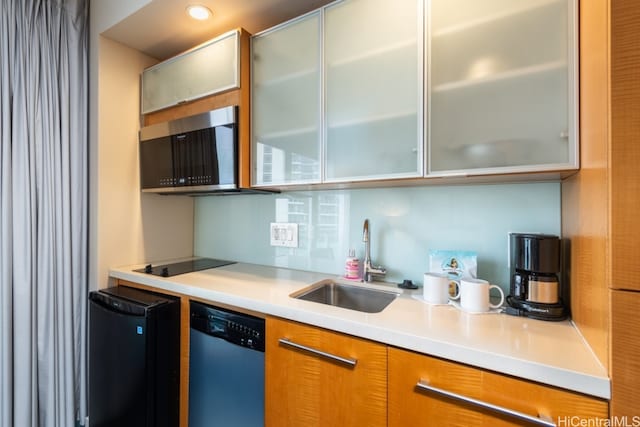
[(367, 245), (368, 269)]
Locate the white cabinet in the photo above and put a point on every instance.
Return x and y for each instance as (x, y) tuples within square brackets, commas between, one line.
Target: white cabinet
[(373, 91), (207, 69), (337, 95), (286, 103), (502, 86)]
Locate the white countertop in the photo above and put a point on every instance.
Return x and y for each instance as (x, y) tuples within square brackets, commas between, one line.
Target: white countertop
[(553, 353)]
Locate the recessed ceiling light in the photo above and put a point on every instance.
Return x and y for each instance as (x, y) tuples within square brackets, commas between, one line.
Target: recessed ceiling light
[(199, 12)]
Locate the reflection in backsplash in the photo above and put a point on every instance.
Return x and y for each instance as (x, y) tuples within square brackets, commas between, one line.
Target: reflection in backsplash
[(320, 224), (405, 223)]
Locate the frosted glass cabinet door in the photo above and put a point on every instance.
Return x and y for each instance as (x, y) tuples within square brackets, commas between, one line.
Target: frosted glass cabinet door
[(373, 89), (286, 103), (501, 86), (208, 69)]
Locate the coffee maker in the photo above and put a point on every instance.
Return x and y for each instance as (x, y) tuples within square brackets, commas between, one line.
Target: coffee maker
[(535, 289)]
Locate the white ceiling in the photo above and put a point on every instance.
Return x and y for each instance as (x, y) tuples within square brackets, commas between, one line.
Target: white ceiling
[(162, 29)]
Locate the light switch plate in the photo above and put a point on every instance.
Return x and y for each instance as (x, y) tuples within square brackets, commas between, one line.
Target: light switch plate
[(284, 234)]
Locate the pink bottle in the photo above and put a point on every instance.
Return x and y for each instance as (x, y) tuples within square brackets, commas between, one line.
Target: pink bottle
[(352, 266)]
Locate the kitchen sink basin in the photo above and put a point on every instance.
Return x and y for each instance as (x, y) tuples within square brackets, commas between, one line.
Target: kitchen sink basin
[(346, 296)]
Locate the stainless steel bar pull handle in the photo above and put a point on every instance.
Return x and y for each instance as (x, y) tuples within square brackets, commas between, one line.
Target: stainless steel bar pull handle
[(540, 420), (346, 361)]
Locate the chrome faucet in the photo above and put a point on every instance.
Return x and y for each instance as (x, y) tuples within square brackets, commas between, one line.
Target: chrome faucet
[(368, 269)]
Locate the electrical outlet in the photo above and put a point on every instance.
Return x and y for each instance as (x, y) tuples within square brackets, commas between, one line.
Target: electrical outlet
[(284, 234)]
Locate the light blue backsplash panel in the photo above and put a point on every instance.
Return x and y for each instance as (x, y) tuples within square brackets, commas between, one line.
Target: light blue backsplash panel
[(405, 223)]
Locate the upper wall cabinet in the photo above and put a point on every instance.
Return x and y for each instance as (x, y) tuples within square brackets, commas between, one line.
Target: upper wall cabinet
[(337, 95), (502, 86), (286, 103), (373, 91), (205, 70)]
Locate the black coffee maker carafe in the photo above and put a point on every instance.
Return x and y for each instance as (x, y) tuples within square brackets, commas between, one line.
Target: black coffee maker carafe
[(535, 288)]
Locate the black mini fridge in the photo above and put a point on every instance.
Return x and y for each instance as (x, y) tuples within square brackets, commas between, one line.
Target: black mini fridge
[(134, 358)]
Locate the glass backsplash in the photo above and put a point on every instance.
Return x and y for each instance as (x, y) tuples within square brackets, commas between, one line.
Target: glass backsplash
[(405, 224)]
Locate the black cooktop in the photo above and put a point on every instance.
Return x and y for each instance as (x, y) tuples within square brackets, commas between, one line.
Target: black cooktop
[(173, 269)]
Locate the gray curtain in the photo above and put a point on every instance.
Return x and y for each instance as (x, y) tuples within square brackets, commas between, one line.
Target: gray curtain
[(43, 211)]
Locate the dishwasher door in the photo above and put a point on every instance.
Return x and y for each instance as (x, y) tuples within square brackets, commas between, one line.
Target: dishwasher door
[(226, 368)]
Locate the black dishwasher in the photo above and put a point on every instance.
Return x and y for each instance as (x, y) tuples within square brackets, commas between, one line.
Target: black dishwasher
[(134, 358), (226, 368)]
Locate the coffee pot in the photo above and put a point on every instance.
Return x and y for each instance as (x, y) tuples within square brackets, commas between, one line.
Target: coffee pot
[(535, 290)]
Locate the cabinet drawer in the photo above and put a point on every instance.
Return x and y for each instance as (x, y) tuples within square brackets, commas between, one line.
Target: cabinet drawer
[(410, 404), (315, 377)]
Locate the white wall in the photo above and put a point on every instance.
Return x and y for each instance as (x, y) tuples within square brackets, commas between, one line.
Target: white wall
[(125, 226), (107, 13)]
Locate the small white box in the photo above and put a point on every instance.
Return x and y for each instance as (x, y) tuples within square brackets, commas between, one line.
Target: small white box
[(456, 264)]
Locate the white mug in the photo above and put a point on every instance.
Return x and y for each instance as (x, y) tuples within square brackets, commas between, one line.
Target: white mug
[(436, 288), (474, 295)]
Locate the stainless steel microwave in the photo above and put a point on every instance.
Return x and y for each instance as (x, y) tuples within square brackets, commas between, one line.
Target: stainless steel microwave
[(192, 155)]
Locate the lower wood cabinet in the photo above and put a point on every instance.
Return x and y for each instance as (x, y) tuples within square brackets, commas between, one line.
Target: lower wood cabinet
[(625, 355), (316, 377), (411, 403)]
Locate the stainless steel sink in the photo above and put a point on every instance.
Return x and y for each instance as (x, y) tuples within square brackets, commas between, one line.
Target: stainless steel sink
[(346, 296)]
